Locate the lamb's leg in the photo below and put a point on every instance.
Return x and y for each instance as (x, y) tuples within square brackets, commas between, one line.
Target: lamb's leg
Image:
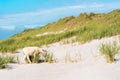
[(29, 59), (34, 56), (24, 58)]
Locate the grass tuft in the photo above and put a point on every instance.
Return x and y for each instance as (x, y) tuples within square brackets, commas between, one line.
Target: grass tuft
[(49, 58), (109, 50), (4, 60)]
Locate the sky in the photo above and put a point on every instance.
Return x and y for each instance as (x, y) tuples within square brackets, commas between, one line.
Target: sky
[(18, 15)]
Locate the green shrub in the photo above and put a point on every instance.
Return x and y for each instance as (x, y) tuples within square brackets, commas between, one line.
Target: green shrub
[(109, 50)]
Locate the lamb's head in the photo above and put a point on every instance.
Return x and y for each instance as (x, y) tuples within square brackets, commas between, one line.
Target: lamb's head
[(43, 51)]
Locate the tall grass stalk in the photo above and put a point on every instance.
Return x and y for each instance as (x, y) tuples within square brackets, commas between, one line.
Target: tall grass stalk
[(68, 58), (49, 57)]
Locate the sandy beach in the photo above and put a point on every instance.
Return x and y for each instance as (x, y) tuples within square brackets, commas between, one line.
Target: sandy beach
[(62, 71), (92, 65)]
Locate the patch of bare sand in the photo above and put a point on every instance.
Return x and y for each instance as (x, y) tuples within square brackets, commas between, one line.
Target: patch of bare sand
[(62, 71)]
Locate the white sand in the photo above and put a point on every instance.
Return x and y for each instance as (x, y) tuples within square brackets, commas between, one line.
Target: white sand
[(85, 51), (62, 71), (91, 67)]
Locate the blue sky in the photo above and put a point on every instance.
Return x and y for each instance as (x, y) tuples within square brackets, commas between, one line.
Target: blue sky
[(17, 15)]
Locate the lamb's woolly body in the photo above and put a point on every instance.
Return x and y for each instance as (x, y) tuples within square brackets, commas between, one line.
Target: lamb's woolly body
[(29, 51)]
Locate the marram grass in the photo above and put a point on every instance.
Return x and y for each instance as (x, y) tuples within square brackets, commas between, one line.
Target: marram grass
[(4, 60), (109, 50)]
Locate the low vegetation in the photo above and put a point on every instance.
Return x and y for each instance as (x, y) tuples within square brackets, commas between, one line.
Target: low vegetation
[(4, 60), (49, 58), (76, 58), (109, 50)]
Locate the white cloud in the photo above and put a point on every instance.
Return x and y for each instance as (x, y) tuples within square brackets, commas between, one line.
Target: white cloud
[(32, 26), (41, 12), (13, 27), (30, 16), (10, 28), (44, 16), (96, 5)]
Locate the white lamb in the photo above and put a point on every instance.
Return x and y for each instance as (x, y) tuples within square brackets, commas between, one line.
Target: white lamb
[(32, 51)]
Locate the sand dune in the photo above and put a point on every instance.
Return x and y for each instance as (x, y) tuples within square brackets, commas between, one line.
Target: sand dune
[(92, 66)]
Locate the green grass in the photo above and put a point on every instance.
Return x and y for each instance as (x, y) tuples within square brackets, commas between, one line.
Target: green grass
[(84, 27), (109, 50), (4, 60), (83, 35), (49, 58)]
